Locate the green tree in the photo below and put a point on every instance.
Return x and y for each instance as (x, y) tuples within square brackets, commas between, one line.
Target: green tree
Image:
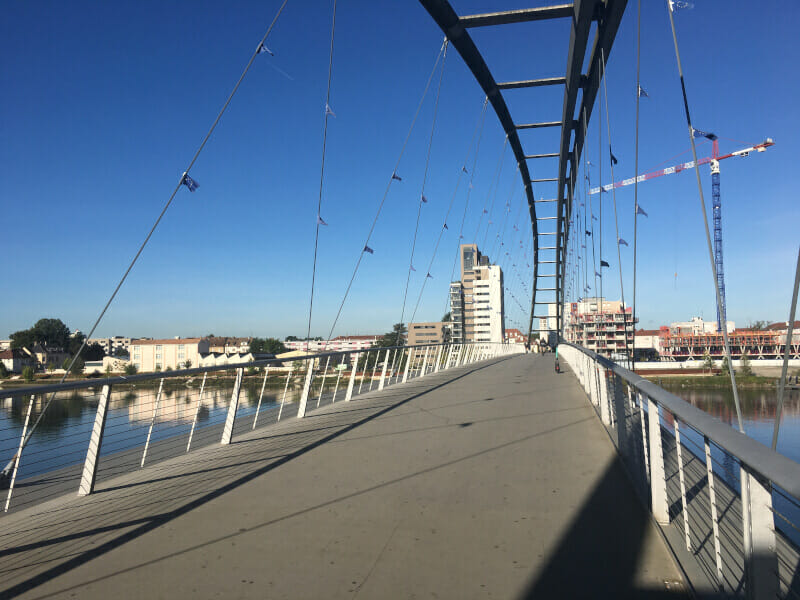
[(396, 337), (3, 371), (187, 364), (725, 366), (130, 369), (446, 317), (74, 344), (758, 325), (167, 368), (292, 338), (49, 332), (93, 352), (268, 345), (745, 368), (708, 362), (27, 374), (78, 366)]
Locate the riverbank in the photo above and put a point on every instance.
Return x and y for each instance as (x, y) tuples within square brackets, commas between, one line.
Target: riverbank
[(714, 381)]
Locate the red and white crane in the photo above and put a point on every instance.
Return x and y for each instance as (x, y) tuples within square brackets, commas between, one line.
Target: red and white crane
[(716, 203)]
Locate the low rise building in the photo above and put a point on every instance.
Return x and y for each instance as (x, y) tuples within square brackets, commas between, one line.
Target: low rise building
[(515, 336), (16, 359), (432, 332), (49, 357), (112, 346), (600, 325), (177, 353), (342, 343), (229, 345)]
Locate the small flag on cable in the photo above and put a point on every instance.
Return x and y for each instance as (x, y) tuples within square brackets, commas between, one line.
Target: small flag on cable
[(604, 263), (397, 177), (189, 182), (429, 276), (424, 199), (583, 245), (320, 221), (445, 226), (461, 237), (594, 218), (262, 48), (590, 163), (622, 242), (640, 211), (464, 169), (369, 250), (329, 110), (588, 232), (412, 268), (598, 274), (642, 93), (613, 158), (486, 212), (697, 133)]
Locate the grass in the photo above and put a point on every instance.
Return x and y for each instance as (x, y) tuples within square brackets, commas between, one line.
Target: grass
[(721, 381)]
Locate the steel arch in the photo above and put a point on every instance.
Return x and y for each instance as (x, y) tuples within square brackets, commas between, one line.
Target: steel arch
[(607, 14)]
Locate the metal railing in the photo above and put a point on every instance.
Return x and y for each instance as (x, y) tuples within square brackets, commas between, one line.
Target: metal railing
[(732, 503), (93, 430)]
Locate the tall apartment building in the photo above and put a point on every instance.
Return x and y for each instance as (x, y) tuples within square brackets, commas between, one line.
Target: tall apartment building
[(600, 325), (476, 301)]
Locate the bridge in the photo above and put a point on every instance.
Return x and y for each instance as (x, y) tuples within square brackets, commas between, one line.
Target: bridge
[(457, 469)]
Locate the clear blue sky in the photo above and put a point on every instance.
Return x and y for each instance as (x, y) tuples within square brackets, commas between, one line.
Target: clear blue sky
[(104, 104)]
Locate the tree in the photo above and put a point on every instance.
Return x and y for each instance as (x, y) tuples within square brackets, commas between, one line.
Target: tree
[(395, 337), (108, 370), (130, 369), (48, 332), (745, 368), (292, 338), (187, 363), (708, 362), (3, 371), (758, 325), (725, 365), (75, 342), (268, 345), (27, 374), (93, 352), (446, 317), (78, 366)]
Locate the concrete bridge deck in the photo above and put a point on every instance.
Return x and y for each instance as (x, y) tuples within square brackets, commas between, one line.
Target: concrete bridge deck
[(494, 480)]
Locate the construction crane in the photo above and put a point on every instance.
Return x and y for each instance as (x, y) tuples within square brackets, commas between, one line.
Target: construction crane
[(713, 160)]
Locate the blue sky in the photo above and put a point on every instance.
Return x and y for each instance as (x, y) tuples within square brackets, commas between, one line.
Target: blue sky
[(104, 105)]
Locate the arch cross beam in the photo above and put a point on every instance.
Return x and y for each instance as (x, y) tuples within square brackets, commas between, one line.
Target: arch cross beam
[(607, 14)]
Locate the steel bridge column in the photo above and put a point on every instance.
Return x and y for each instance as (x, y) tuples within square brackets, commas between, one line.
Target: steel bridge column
[(95, 441)]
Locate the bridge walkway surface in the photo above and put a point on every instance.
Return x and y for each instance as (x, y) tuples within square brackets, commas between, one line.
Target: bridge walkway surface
[(494, 480)]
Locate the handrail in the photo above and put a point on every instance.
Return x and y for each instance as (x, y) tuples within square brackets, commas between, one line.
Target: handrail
[(781, 470), (123, 379)]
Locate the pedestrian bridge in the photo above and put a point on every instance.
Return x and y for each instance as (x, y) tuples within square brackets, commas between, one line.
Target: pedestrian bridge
[(494, 479)]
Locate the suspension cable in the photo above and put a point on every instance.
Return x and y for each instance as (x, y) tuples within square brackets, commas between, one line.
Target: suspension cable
[(147, 238), (321, 174), (786, 353), (614, 200), (636, 179), (493, 195), (424, 179), (705, 221), (385, 194)]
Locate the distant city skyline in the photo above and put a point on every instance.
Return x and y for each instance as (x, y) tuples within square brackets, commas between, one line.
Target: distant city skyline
[(97, 136)]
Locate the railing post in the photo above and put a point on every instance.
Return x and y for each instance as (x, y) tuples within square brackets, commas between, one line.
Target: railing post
[(760, 557), (620, 414), (425, 362), (658, 481), (285, 390), (679, 453), (383, 372), (152, 422), (712, 497), (197, 413), (349, 395), (324, 376), (602, 396), (227, 433), (338, 378), (640, 398), (95, 441), (408, 364), (18, 455), (301, 410), (260, 396), (438, 359)]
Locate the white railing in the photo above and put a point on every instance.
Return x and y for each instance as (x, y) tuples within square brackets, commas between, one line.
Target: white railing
[(92, 430), (726, 502)]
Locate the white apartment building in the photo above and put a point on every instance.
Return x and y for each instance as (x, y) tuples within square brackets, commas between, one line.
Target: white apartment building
[(152, 355), (476, 302), (342, 343)]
